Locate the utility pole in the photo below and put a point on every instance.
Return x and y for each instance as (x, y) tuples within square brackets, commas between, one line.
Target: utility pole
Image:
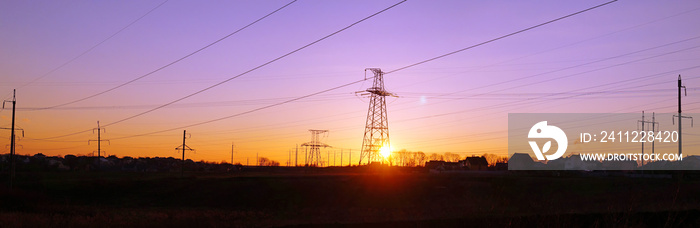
[(12, 137), (643, 122), (99, 142), (183, 147), (680, 117), (653, 129), (653, 126), (12, 153), (289, 160), (232, 153), (296, 155)]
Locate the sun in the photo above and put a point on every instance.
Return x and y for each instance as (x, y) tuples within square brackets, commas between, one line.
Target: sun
[(385, 151)]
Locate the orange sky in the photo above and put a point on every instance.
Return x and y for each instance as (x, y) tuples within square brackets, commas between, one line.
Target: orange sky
[(632, 52)]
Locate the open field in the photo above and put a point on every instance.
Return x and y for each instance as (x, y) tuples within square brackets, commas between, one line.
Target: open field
[(348, 197)]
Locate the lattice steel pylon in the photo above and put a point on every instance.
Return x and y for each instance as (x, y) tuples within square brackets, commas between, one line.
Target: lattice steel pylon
[(314, 156), (377, 125)]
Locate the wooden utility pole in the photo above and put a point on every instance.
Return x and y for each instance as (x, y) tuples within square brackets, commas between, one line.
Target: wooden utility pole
[(183, 147), (12, 137), (99, 141), (680, 117)]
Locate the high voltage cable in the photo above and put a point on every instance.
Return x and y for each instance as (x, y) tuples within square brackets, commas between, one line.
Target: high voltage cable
[(194, 104), (478, 134), (538, 99), (583, 64), (578, 42), (589, 93), (498, 38), (502, 131), (541, 101), (171, 63), (248, 71), (94, 46), (327, 90), (342, 96), (576, 95), (241, 113), (258, 67), (580, 73)]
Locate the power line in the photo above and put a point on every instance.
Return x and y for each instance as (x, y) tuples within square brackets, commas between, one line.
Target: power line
[(500, 37), (589, 71), (258, 67), (189, 105), (94, 46), (586, 40), (438, 58), (323, 91), (283, 102), (510, 104), (171, 63), (248, 71), (587, 63)]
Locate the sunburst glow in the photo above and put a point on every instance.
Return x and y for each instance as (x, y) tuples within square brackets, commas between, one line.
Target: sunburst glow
[(385, 151)]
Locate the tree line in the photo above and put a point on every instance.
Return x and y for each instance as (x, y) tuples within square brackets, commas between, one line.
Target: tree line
[(419, 158)]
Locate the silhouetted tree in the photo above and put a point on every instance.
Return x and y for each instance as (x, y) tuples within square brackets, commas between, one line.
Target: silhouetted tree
[(450, 157), (492, 159), (263, 161), (420, 158), (502, 159), (436, 157)]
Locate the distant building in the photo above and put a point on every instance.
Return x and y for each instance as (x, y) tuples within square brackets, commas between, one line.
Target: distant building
[(435, 164), (443, 165), (475, 163), (502, 166), (574, 162), (691, 162), (619, 165), (522, 161)]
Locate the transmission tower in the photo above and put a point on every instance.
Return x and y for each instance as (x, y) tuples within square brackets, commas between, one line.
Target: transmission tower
[(314, 156), (99, 141), (183, 147), (377, 125)]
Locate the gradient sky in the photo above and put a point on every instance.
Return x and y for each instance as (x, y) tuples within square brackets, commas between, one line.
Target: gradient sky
[(633, 51)]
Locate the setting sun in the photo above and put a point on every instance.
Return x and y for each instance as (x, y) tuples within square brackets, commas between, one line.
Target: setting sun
[(385, 151)]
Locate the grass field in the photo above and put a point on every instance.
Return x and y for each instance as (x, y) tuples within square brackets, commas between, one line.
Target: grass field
[(347, 197)]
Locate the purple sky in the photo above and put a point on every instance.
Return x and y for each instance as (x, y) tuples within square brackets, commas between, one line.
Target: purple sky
[(444, 106)]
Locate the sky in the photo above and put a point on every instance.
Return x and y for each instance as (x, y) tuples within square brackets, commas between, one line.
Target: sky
[(623, 57)]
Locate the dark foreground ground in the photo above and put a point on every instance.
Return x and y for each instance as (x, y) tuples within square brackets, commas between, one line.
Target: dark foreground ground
[(351, 197)]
